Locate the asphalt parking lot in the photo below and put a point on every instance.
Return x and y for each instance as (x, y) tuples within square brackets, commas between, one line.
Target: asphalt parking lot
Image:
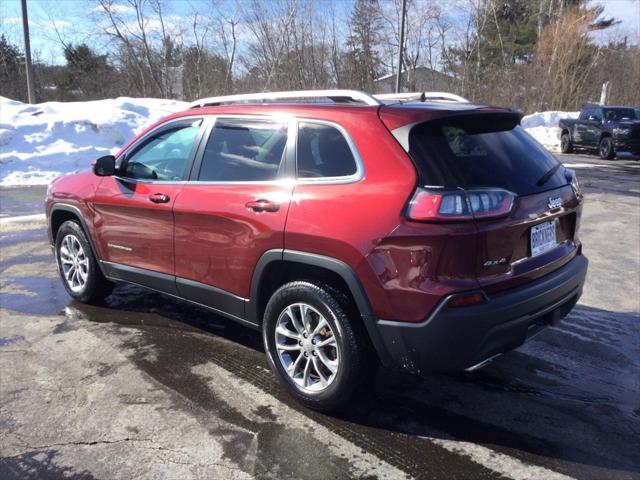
[(149, 387)]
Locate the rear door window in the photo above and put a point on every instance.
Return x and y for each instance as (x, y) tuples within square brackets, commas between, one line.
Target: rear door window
[(244, 150), (323, 151), (482, 151)]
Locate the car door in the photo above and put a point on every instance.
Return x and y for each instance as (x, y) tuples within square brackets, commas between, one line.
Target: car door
[(580, 133), (232, 209), (594, 128), (133, 209)]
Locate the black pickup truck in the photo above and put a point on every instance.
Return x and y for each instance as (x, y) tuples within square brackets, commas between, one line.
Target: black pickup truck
[(606, 129)]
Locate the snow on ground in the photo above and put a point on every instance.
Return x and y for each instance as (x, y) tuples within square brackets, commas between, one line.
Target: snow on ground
[(543, 126), (41, 142)]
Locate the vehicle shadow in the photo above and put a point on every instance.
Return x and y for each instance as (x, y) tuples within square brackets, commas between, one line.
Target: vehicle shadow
[(568, 400)]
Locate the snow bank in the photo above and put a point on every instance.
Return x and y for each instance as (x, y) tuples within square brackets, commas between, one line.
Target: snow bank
[(41, 142), (543, 126)]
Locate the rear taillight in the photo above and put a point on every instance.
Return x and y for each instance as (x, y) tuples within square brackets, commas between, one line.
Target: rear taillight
[(441, 205), (572, 178)]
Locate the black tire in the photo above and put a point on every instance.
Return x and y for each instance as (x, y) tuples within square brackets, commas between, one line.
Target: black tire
[(565, 143), (96, 287), (606, 149), (352, 345)]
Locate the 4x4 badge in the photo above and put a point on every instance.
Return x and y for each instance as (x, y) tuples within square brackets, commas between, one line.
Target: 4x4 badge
[(554, 202)]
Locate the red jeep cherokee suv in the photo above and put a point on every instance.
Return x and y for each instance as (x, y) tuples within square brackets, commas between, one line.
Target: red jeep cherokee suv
[(422, 232)]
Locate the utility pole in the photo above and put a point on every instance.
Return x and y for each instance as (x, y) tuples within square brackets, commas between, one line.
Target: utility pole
[(401, 46), (27, 53)]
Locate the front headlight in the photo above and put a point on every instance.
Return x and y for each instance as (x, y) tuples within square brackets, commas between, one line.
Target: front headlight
[(621, 132)]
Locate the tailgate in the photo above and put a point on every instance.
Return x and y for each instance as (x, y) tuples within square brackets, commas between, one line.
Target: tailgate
[(508, 254)]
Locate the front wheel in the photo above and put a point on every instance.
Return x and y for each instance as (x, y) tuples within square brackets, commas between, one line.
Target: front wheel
[(312, 346), (606, 148), (81, 276)]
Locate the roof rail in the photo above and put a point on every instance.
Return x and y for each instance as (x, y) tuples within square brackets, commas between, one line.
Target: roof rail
[(421, 97), (338, 96)]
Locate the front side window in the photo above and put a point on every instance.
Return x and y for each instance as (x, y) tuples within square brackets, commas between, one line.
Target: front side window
[(164, 156), (244, 150), (323, 152)]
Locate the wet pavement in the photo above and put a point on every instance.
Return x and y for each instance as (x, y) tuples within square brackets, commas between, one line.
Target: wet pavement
[(147, 386)]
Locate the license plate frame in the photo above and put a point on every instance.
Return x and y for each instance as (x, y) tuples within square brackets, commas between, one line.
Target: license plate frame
[(542, 238)]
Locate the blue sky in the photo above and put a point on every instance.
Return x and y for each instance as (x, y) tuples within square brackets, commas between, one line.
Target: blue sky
[(76, 21)]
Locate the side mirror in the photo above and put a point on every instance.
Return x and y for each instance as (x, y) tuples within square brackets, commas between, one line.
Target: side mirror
[(105, 166)]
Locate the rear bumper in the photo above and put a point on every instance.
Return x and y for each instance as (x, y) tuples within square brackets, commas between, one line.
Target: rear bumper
[(455, 339)]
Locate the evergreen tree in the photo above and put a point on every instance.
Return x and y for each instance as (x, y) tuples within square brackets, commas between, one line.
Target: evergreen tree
[(12, 76), (362, 57), (86, 75)]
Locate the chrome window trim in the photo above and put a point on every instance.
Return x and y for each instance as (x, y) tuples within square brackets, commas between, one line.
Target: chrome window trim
[(353, 178), (278, 182), (292, 142)]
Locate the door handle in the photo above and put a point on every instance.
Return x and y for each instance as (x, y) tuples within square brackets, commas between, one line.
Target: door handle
[(159, 198), (263, 206)]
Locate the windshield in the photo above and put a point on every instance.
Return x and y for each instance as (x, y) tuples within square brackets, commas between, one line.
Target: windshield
[(616, 114), (474, 151)]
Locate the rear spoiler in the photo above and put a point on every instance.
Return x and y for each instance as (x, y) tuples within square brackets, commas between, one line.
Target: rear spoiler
[(492, 120)]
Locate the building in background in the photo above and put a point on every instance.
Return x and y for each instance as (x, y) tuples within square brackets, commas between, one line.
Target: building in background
[(419, 79)]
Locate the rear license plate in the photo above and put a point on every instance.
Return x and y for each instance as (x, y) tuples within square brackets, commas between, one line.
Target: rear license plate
[(543, 238)]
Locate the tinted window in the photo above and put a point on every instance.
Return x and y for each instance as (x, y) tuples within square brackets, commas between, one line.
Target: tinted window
[(244, 150), (482, 151), (585, 114), (597, 113), (617, 114), (164, 156), (323, 152)]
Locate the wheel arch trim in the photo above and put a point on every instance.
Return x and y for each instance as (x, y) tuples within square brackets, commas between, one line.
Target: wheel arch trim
[(65, 207), (342, 269)]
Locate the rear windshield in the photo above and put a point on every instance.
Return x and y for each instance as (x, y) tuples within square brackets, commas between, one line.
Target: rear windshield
[(482, 151)]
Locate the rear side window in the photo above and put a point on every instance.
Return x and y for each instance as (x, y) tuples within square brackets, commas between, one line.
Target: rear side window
[(244, 150), (617, 114), (323, 152), (482, 151)]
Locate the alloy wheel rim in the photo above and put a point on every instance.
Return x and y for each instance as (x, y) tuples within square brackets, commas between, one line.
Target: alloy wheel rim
[(74, 263), (604, 149), (307, 347)]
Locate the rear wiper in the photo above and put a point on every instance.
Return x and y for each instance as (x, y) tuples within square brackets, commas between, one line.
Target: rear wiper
[(545, 178)]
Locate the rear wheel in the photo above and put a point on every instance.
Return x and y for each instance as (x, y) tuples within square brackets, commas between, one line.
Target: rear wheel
[(606, 148), (565, 143), (81, 276), (312, 346)]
